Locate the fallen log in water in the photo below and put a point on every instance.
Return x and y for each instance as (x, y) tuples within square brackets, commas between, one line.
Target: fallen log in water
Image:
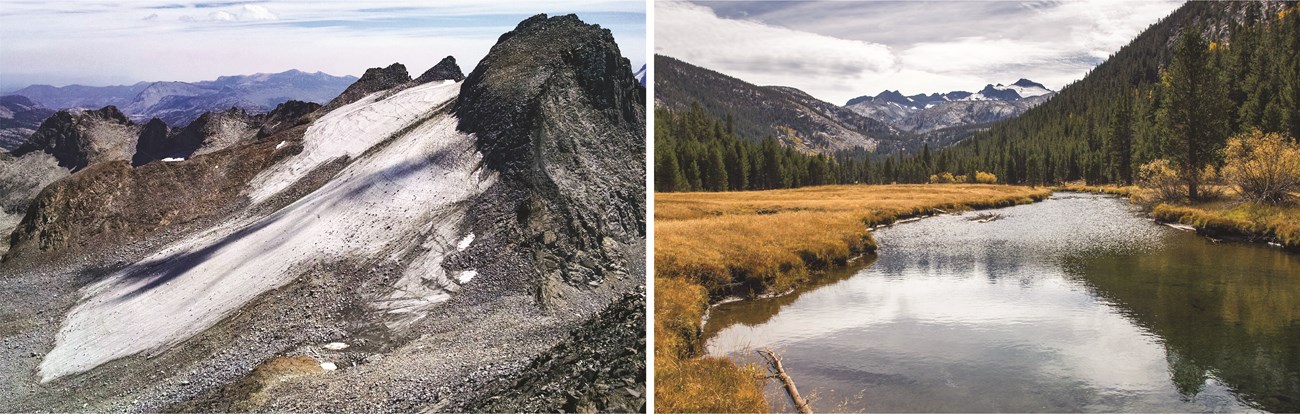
[(778, 372)]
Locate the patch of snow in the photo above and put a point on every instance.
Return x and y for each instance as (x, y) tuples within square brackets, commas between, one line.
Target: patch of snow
[(351, 130), (1027, 92), (464, 243), (466, 276), (328, 366), (280, 145), (376, 204), (171, 159), (335, 346)]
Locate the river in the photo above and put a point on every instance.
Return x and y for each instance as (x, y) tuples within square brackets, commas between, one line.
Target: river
[(1076, 303)]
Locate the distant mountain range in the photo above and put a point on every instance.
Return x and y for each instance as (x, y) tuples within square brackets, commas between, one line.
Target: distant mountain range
[(179, 103), (884, 124), (923, 113), (788, 114), (19, 118), (640, 75)]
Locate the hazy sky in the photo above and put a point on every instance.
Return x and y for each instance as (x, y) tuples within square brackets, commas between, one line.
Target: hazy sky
[(122, 42), (843, 49)]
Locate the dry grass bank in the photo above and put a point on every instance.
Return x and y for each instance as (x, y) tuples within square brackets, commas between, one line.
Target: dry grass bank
[(1122, 191), (711, 245), (1244, 220), (1225, 216)]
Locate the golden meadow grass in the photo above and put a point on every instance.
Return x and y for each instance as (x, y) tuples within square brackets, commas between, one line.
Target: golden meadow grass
[(710, 245), (1225, 216)]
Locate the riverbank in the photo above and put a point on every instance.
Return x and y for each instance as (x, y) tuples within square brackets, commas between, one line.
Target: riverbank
[(1225, 217), (713, 245)]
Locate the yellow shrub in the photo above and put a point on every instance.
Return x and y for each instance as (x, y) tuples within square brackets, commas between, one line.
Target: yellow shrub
[(1162, 178), (942, 178), (1265, 168), (985, 178)]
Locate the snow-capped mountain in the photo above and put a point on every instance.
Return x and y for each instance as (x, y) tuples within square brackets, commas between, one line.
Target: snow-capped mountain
[(640, 75), (923, 113), (179, 103)]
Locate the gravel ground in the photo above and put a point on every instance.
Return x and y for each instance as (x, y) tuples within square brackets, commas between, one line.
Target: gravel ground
[(488, 333)]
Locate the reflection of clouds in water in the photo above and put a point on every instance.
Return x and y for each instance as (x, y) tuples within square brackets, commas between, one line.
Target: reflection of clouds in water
[(982, 316)]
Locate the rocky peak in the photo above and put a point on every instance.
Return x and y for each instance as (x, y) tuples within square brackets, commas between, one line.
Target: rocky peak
[(79, 138), (893, 96), (1026, 83), (152, 144), (286, 115), (500, 97), (446, 69), (213, 131), (556, 111), (1000, 93), (374, 80), (108, 113)]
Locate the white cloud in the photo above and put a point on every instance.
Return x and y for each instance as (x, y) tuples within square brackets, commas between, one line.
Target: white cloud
[(244, 13), (256, 12), (61, 42), (934, 46), (765, 54), (222, 16)]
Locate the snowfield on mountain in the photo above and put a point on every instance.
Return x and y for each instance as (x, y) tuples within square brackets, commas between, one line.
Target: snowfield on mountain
[(412, 187)]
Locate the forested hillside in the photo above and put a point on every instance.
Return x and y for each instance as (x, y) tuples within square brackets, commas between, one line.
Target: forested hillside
[(789, 115), (1237, 70), (1246, 75), (695, 151)]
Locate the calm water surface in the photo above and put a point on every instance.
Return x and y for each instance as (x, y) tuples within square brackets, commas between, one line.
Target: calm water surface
[(1076, 303)]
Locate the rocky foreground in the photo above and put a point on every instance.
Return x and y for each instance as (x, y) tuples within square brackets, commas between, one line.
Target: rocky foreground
[(474, 244)]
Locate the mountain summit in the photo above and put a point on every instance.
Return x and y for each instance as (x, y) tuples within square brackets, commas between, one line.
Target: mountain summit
[(446, 69), (923, 113), (556, 111)]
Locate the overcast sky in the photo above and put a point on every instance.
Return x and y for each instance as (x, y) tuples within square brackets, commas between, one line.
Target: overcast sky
[(122, 42), (843, 49)]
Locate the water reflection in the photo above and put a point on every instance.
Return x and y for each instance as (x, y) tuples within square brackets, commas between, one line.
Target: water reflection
[(1229, 311), (1073, 304)]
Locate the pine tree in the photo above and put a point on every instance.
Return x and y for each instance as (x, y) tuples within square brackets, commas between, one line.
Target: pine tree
[(1119, 142), (1193, 117)]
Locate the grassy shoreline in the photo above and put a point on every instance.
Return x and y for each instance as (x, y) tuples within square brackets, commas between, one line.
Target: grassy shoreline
[(710, 246), (1222, 218)]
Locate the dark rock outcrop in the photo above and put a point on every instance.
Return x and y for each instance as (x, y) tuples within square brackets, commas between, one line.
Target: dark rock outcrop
[(214, 131), (558, 115), (153, 143), (111, 204), (446, 69), (286, 115), (78, 139), (999, 94), (374, 80), (598, 368)]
